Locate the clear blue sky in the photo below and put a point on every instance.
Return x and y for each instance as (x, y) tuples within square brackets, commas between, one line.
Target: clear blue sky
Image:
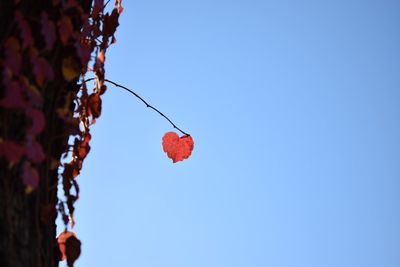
[(294, 107)]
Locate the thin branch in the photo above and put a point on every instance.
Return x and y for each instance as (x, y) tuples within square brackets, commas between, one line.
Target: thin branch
[(106, 4), (144, 102)]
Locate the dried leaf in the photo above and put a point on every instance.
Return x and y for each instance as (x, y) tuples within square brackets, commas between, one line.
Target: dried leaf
[(97, 7), (118, 5), (61, 240), (177, 148), (101, 56), (72, 249), (94, 105), (110, 23), (82, 148)]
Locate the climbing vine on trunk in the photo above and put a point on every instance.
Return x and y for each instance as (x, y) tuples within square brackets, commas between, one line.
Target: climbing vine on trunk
[(46, 110), (52, 78)]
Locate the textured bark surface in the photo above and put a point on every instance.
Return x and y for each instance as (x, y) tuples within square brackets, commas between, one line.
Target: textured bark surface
[(27, 220)]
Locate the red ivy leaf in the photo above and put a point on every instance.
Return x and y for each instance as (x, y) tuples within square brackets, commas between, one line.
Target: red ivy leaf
[(110, 23), (82, 148), (119, 6), (83, 50), (34, 151), (65, 29), (38, 121), (13, 97), (30, 176), (12, 55), (177, 148), (61, 240), (11, 150), (94, 104), (71, 170), (73, 250), (33, 93), (97, 7), (41, 68), (26, 33), (48, 30), (101, 57), (70, 247)]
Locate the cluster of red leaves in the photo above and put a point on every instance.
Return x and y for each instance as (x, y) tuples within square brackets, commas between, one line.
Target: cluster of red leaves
[(22, 96), (23, 53), (102, 26)]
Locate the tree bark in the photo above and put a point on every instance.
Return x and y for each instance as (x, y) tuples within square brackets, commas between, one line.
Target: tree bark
[(27, 215)]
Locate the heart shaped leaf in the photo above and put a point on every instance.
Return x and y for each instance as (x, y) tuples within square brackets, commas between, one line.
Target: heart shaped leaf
[(177, 148)]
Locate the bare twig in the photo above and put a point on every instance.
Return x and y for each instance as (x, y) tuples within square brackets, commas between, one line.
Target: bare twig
[(144, 102), (106, 4)]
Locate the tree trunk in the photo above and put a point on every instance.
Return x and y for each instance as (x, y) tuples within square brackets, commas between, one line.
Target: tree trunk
[(35, 35)]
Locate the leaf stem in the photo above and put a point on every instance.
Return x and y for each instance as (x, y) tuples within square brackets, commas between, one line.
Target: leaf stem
[(144, 102)]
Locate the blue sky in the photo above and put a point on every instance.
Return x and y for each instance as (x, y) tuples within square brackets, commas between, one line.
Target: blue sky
[(294, 107)]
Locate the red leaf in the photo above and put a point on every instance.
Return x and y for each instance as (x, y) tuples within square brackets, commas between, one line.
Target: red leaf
[(110, 23), (177, 148), (83, 50), (34, 151), (65, 29), (72, 250), (13, 97), (119, 6), (34, 95), (70, 247), (12, 55), (94, 103), (11, 150), (101, 57), (30, 176), (81, 147), (41, 68), (71, 170), (26, 33), (61, 240), (48, 30), (38, 121), (97, 7)]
